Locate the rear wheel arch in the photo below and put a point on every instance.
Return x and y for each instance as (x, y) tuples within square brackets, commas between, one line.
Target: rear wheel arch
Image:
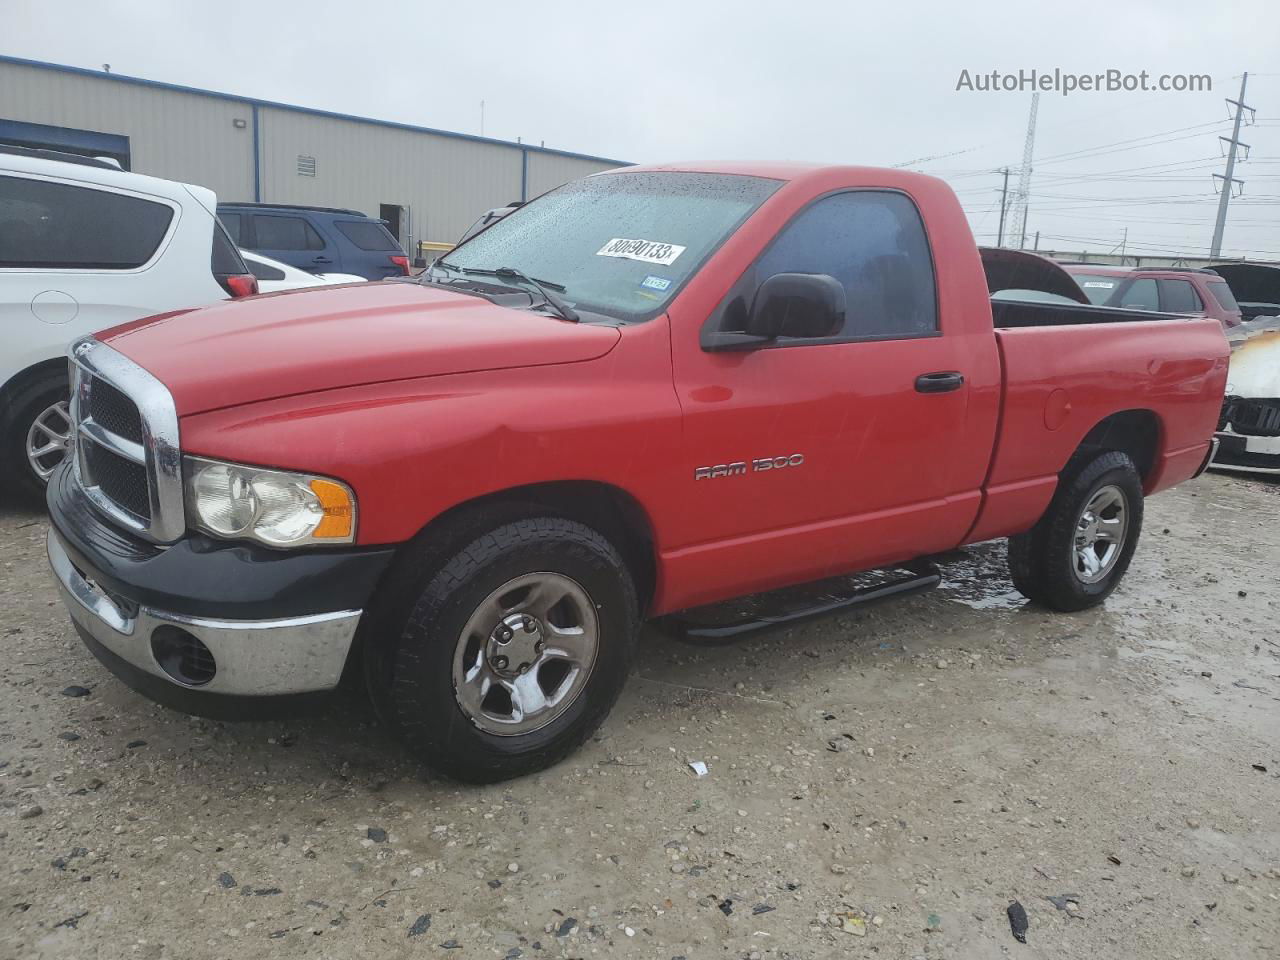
[(43, 370), (1139, 434), (27, 397)]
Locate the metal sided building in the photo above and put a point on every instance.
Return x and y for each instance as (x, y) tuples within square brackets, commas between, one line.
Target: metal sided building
[(430, 185)]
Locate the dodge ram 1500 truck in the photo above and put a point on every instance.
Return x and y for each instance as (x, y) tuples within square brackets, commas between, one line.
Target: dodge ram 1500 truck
[(646, 391)]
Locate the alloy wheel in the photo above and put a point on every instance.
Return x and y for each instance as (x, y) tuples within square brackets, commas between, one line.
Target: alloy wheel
[(1100, 534), (49, 439), (526, 653)]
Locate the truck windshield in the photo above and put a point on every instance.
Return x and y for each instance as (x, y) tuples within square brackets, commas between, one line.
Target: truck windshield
[(619, 244)]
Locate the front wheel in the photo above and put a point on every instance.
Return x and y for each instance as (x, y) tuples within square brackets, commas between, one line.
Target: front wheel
[(514, 651), (1077, 553)]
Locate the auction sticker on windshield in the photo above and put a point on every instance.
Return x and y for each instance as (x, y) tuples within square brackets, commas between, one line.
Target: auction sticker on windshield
[(1103, 284), (646, 251)]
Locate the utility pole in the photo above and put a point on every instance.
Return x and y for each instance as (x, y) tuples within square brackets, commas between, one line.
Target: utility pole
[(1004, 199), (1022, 241), (1215, 248), (1024, 175), (1037, 246)]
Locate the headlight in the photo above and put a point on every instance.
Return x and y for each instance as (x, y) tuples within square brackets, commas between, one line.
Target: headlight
[(274, 507)]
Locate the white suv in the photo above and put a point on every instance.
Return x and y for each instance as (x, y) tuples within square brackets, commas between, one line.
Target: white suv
[(85, 246)]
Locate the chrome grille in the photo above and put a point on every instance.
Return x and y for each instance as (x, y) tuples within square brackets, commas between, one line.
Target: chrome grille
[(115, 412), (121, 480), (126, 430)]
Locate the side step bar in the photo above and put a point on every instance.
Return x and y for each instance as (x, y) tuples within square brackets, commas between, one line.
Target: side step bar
[(923, 576)]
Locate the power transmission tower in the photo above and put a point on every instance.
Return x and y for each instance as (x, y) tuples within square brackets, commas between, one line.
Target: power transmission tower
[(1019, 220), (1215, 248), (1004, 200)]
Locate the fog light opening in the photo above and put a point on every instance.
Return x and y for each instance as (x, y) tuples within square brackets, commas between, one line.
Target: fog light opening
[(183, 656)]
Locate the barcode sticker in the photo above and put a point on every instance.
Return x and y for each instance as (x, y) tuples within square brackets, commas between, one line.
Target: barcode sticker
[(646, 251)]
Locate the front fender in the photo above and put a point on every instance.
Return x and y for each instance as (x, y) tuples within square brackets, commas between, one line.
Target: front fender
[(413, 449)]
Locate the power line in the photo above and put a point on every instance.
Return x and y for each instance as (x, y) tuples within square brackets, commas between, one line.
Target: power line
[(1155, 248), (1150, 136), (1105, 149)]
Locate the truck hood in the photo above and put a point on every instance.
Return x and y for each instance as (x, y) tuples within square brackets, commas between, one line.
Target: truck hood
[(244, 351)]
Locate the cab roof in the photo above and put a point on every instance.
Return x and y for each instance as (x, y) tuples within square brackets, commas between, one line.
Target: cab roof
[(783, 170)]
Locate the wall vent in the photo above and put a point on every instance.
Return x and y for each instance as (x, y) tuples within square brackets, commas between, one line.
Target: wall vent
[(306, 166)]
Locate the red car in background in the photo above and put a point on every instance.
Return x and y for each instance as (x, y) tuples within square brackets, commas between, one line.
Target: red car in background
[(1163, 289)]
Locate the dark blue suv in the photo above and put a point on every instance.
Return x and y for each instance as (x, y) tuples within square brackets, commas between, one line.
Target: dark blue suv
[(316, 239)]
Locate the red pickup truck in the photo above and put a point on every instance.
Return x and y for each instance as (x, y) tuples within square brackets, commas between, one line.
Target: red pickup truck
[(647, 391)]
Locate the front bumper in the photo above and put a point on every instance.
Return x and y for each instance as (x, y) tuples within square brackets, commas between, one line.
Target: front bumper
[(251, 658), (1236, 451), (211, 621)]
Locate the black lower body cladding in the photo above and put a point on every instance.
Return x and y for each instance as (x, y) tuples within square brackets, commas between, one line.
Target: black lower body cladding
[(199, 576), (204, 626)]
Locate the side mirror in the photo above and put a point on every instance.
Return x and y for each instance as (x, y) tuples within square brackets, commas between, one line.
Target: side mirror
[(799, 305)]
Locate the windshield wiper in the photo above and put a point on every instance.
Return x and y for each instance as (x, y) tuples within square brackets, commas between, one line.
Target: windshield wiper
[(427, 275), (544, 287)]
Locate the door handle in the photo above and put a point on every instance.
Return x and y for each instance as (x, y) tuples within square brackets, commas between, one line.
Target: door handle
[(942, 382), (321, 260)]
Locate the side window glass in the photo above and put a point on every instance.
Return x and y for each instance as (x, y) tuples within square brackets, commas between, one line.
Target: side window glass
[(285, 233), (874, 243), (1138, 295), (46, 224), (1179, 296), (1222, 293), (232, 222), (262, 271)]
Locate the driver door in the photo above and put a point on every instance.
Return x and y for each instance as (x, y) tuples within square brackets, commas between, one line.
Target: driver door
[(857, 452)]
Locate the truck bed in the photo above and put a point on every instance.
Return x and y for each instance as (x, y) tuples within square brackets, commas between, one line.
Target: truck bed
[(1074, 368), (1026, 313)]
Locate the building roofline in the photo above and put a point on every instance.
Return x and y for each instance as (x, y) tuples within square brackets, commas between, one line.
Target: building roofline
[(313, 111)]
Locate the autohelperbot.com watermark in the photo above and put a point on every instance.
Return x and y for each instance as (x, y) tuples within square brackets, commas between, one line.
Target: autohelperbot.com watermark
[(1066, 83)]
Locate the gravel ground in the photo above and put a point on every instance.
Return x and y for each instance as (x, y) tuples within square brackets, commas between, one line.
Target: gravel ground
[(879, 784)]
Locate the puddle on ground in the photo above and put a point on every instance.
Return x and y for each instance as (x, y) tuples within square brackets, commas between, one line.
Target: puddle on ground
[(979, 578)]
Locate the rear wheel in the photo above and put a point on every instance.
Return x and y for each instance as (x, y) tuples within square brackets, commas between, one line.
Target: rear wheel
[(513, 652), (1078, 552), (36, 434)]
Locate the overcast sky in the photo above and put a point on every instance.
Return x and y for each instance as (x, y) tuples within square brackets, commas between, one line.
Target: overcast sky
[(806, 80)]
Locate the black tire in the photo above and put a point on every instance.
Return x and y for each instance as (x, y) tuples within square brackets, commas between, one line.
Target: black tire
[(1043, 561), (410, 661), (30, 400)]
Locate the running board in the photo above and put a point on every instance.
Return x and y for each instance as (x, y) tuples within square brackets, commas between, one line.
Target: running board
[(924, 576)]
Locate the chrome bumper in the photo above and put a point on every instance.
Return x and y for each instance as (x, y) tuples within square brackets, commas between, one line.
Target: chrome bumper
[(253, 657)]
